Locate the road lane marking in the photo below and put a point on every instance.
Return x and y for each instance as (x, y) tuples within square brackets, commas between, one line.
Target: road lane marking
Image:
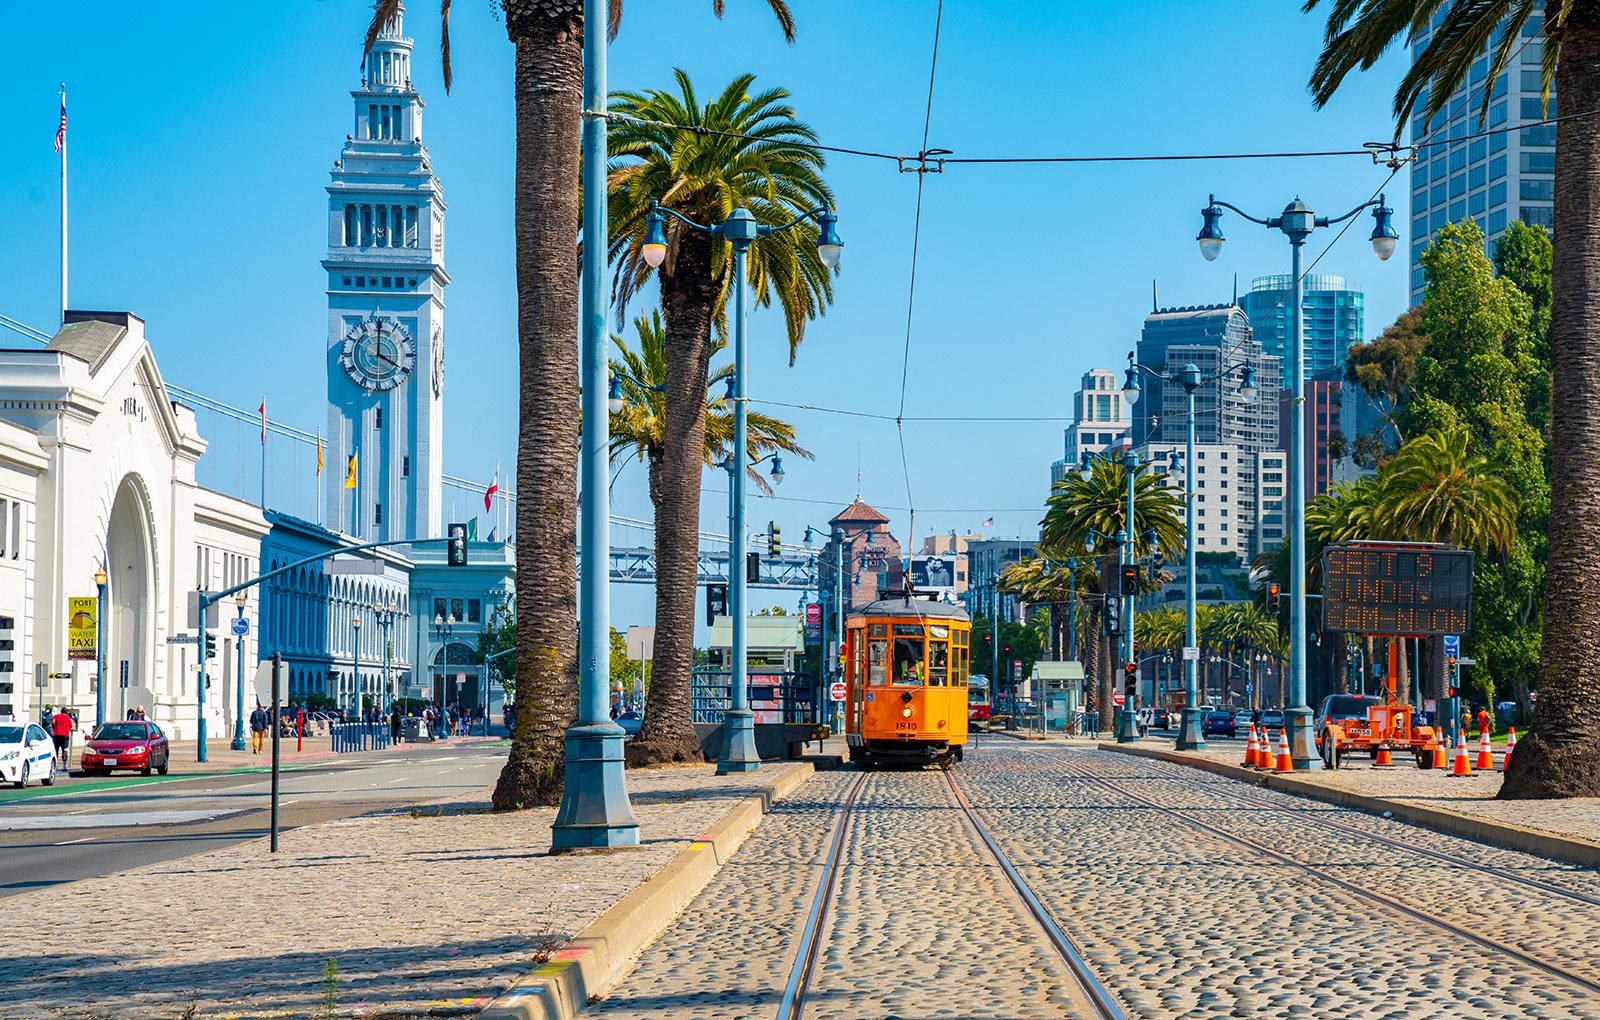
[(67, 842)]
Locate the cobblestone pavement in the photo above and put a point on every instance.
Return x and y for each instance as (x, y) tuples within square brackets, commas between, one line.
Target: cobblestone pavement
[(1184, 923), (922, 925), (1178, 921), (421, 912), (1473, 795)]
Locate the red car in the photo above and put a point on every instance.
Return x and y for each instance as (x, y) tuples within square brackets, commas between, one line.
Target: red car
[(135, 744)]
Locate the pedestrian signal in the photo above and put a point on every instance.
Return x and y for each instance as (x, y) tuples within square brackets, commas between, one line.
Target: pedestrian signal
[(1130, 579), (716, 603), (1111, 613), (752, 568)]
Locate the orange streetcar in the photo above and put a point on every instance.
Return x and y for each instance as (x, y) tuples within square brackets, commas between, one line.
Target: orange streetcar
[(906, 662)]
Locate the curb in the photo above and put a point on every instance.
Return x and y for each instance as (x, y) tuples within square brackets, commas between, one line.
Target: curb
[(1571, 849), (601, 952)]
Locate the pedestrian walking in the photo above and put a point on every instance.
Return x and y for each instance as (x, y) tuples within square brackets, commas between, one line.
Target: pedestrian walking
[(394, 724), (260, 722), (61, 729), (1483, 722)]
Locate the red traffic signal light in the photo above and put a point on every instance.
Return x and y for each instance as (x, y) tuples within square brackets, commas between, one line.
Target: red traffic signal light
[(1273, 593), (1130, 579)]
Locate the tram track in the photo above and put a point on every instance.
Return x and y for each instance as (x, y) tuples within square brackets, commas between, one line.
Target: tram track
[(809, 944), (1094, 992), (1390, 904)]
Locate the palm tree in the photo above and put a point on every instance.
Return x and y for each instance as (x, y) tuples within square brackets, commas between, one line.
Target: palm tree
[(1561, 755), (548, 88), (773, 169)]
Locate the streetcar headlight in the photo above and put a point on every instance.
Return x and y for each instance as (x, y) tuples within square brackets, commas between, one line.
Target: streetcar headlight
[(906, 711)]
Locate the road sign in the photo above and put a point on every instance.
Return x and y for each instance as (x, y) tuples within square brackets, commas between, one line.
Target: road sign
[(241, 626), (1384, 589), (61, 676), (813, 612), (183, 639), (461, 678), (82, 634), (1191, 653), (1249, 689), (1452, 644), (836, 691), (1464, 661), (1118, 699)]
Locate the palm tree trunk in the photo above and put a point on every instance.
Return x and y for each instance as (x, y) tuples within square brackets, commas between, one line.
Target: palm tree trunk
[(1561, 755), (688, 293), (548, 75)]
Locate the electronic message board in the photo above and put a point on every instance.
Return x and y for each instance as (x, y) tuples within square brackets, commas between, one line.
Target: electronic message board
[(1374, 589)]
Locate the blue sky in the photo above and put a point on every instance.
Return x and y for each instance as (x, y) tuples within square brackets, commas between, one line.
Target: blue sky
[(201, 146)]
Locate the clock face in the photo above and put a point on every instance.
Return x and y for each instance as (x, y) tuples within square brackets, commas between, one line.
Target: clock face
[(438, 361), (378, 353)]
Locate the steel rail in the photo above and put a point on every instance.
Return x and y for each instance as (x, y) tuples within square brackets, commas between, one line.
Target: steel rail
[(808, 945), (1101, 997), (1393, 905)]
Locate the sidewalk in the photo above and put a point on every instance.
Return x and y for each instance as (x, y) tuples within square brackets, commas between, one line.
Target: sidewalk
[(221, 758), (430, 912), (1425, 796)]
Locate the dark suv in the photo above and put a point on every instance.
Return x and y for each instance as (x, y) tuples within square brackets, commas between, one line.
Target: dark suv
[(1341, 708)]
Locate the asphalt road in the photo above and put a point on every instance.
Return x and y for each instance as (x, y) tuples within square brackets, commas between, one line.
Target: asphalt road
[(47, 840)]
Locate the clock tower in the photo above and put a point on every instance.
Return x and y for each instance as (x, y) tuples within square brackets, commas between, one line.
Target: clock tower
[(386, 280)]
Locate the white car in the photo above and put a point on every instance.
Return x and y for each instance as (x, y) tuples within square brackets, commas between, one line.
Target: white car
[(26, 752)]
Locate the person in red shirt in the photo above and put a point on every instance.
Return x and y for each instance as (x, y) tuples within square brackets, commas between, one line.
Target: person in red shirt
[(1483, 722), (61, 727)]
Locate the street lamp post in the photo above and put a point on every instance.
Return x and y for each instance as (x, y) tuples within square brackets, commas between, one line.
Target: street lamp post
[(443, 628), (1296, 223), (385, 617), (355, 662), (100, 580), (1190, 731), (1072, 608), (740, 230), (238, 684)]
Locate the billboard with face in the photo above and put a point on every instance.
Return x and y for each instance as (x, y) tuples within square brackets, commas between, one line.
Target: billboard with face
[(933, 573)]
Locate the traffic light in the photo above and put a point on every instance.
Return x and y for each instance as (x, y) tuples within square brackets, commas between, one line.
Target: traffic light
[(773, 546), (1130, 579), (1111, 613), (211, 644), (1157, 562), (456, 545), (716, 603), (1273, 592), (752, 568)]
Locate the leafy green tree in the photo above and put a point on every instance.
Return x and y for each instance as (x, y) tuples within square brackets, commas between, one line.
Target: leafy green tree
[(547, 89), (499, 635), (1561, 755), (741, 148)]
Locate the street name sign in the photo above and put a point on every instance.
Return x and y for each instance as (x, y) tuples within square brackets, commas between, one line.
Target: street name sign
[(1191, 653), (183, 639), (1371, 588)]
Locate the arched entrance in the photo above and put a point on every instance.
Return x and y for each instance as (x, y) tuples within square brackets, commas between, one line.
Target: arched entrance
[(449, 663), (130, 593)]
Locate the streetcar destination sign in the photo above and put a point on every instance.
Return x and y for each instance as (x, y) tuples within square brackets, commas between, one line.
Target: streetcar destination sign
[(1411, 591)]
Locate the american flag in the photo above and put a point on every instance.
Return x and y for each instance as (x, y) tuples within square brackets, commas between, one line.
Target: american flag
[(61, 131)]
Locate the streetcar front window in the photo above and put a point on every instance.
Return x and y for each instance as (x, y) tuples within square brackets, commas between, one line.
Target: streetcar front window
[(938, 664), (877, 663), (908, 666)]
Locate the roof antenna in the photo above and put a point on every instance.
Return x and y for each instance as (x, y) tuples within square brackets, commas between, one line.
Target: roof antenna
[(1236, 289), (1155, 300)]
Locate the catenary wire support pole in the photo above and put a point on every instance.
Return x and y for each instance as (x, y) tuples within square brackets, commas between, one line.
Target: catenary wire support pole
[(595, 811), (1297, 222), (237, 743), (740, 230)]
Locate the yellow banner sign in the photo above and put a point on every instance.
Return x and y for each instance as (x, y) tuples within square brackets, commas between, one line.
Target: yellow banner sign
[(82, 636)]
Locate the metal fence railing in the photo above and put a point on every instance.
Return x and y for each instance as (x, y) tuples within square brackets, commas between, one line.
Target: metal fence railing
[(774, 696), (359, 736)]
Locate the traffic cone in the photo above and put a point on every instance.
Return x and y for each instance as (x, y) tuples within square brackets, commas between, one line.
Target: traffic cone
[(1250, 749), (1485, 755), (1511, 745), (1459, 765), (1284, 762), (1439, 755), (1263, 759), (1384, 758)]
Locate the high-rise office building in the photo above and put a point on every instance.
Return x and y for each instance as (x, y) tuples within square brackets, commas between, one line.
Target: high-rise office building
[(1334, 317), (1509, 175), (1101, 420)]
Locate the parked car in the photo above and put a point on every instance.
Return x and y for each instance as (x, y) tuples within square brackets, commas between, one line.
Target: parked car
[(1242, 721), (1160, 718), (630, 722), (1341, 708), (1271, 718), (136, 744), (26, 751), (1217, 724)]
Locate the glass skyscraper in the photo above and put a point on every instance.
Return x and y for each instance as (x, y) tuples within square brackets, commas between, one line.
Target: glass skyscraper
[(1334, 318), (1509, 175)]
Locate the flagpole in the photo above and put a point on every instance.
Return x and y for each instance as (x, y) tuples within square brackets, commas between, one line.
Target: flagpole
[(319, 477), (263, 453), (63, 204)]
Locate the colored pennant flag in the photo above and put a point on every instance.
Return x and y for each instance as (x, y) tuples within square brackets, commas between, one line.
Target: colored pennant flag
[(61, 129), (263, 411), (319, 452), (494, 487), (350, 472), (472, 530)]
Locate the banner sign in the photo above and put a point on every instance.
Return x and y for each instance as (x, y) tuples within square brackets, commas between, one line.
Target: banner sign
[(82, 639)]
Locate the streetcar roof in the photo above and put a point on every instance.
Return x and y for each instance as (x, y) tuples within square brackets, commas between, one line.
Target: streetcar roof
[(912, 609)]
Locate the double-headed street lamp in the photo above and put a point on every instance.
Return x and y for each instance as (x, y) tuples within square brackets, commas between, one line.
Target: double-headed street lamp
[(1296, 223), (237, 743), (1190, 730), (100, 580), (740, 230), (385, 616), (355, 663)]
